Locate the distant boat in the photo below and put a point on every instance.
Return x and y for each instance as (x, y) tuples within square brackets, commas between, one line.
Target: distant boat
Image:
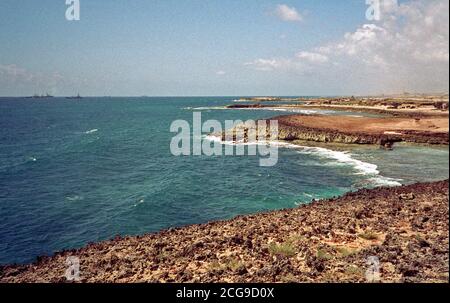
[(36, 96), (75, 97)]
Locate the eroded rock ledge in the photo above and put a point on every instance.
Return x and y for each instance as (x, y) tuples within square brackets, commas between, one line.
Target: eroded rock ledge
[(405, 227), (352, 130), (356, 130)]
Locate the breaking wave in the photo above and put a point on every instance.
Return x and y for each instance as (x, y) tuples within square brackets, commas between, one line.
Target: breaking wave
[(91, 131), (339, 158)]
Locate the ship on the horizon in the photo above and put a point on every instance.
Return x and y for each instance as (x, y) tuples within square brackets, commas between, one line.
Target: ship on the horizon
[(36, 96), (75, 97)]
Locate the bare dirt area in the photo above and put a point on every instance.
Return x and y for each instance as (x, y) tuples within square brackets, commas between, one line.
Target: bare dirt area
[(368, 125)]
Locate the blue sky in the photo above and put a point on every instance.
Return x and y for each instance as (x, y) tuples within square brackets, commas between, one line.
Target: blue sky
[(183, 47)]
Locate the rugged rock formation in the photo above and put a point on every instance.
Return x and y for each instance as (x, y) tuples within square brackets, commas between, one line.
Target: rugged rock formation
[(292, 132), (404, 228), (353, 130)]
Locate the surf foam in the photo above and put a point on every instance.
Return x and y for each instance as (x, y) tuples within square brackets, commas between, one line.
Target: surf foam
[(361, 168), (91, 131)]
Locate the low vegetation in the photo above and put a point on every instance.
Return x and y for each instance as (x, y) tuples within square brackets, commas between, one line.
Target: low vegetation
[(285, 249)]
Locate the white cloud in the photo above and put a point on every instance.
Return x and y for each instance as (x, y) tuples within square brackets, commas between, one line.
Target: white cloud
[(265, 64), (221, 73), (287, 13), (312, 57), (13, 73), (13, 76), (407, 50)]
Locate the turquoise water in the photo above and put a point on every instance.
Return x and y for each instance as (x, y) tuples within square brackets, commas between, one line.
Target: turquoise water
[(79, 171)]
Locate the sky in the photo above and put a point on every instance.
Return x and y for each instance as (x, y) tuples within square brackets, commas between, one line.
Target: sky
[(224, 47)]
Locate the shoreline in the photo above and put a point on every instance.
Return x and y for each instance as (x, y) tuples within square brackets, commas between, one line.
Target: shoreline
[(406, 112), (383, 131), (363, 130), (322, 241), (411, 119), (325, 241), (333, 151)]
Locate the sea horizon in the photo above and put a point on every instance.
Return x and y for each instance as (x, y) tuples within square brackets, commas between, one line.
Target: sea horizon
[(224, 142)]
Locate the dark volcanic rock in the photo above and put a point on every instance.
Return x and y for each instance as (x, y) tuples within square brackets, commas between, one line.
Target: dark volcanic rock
[(406, 228)]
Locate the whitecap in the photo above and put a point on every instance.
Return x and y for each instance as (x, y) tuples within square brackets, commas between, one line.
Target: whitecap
[(74, 198), (91, 131), (141, 201)]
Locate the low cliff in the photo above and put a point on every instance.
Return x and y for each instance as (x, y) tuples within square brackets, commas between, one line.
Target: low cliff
[(350, 130), (291, 133)]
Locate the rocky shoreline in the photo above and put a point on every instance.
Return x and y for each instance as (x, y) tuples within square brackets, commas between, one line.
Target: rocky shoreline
[(406, 228), (384, 132), (359, 131)]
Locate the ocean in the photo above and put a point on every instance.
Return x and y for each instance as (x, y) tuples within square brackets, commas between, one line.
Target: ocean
[(80, 171)]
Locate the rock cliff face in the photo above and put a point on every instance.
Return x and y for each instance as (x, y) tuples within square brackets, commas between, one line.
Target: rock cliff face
[(402, 232), (290, 128), (292, 133)]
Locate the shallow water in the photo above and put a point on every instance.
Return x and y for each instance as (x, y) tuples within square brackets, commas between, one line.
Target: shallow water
[(77, 171)]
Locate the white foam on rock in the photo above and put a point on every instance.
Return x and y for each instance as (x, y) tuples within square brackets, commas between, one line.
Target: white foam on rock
[(339, 157)]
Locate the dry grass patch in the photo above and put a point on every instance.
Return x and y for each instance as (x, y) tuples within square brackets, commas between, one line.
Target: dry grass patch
[(323, 254), (345, 251), (285, 249), (369, 236)]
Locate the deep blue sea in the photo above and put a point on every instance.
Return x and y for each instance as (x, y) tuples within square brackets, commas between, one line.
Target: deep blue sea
[(80, 171)]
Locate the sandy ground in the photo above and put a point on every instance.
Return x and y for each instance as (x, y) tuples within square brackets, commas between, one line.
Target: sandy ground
[(369, 125)]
